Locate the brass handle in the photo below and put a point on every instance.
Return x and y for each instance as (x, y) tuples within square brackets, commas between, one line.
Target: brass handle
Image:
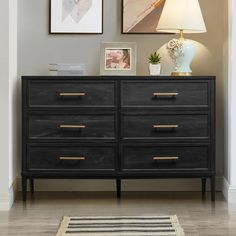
[(165, 158), (165, 126), (72, 94), (72, 126), (165, 94), (72, 158)]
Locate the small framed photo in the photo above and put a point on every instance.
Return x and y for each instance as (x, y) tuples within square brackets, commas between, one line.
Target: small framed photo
[(118, 59), (76, 17)]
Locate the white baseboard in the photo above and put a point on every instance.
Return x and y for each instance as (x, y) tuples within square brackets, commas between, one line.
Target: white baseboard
[(7, 198), (127, 185), (4, 202), (229, 191), (225, 188)]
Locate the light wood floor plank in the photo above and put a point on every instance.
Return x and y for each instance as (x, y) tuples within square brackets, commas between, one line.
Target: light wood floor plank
[(41, 215)]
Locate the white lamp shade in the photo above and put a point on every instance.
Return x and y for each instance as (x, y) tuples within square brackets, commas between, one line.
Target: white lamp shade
[(183, 15)]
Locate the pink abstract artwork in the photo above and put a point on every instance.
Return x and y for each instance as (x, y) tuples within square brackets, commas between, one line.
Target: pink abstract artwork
[(77, 9), (141, 16)]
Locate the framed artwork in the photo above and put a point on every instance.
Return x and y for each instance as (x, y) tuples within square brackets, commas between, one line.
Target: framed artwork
[(118, 59), (76, 17), (141, 16)]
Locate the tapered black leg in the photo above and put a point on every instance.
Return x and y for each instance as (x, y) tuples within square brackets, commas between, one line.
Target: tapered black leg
[(118, 188), (32, 186), (24, 188), (203, 186), (213, 188)]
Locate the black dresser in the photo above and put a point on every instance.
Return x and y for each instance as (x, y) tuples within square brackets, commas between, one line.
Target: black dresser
[(118, 127)]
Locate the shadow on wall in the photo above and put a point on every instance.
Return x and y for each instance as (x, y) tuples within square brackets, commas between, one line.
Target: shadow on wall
[(202, 54)]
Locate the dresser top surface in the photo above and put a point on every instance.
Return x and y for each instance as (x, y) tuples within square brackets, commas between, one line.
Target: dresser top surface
[(147, 78)]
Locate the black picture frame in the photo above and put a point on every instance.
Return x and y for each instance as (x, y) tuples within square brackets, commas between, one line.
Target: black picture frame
[(76, 33)]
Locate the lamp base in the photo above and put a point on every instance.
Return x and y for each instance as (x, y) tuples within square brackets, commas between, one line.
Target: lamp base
[(181, 52), (181, 74)]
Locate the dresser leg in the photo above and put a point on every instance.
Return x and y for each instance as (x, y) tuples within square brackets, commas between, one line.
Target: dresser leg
[(24, 189), (118, 188), (32, 186), (212, 188), (204, 186)]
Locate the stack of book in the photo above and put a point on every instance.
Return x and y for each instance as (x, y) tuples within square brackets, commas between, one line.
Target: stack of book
[(67, 69)]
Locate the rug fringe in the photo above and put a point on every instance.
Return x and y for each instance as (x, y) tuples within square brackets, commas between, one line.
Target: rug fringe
[(63, 226)]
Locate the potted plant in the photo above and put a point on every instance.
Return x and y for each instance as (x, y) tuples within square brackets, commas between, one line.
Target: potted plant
[(155, 64)]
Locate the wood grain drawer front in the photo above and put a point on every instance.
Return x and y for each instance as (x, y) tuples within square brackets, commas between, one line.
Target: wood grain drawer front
[(71, 158), (71, 127), (165, 126), (71, 94), (164, 158), (164, 94)]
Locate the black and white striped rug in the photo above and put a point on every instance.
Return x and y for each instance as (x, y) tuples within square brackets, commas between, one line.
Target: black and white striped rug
[(118, 226)]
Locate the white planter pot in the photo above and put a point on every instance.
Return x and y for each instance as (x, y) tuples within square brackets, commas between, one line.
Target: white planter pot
[(155, 69)]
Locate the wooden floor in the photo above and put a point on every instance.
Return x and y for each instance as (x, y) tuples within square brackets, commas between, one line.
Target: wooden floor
[(41, 215)]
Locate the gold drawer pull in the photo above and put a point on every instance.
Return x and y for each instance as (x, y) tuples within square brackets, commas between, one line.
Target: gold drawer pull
[(165, 158), (72, 158), (165, 94), (72, 94), (72, 126), (165, 126)]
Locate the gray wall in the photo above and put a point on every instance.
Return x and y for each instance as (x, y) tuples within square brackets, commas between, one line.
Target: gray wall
[(4, 101), (9, 106), (36, 48)]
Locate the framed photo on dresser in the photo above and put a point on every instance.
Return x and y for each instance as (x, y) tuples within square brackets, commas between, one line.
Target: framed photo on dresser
[(76, 17), (118, 59)]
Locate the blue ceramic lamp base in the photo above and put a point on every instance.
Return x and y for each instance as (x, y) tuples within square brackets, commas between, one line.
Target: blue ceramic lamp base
[(182, 52)]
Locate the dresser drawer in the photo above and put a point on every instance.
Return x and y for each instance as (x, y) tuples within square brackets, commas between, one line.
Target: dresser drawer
[(71, 94), (68, 158), (64, 126), (165, 157), (171, 126), (164, 94)]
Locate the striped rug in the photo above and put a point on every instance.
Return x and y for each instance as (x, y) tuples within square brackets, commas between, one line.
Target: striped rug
[(118, 226)]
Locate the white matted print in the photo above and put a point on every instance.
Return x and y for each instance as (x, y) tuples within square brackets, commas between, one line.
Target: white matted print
[(118, 59), (76, 16)]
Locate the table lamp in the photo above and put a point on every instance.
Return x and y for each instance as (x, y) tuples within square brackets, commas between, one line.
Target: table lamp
[(181, 16)]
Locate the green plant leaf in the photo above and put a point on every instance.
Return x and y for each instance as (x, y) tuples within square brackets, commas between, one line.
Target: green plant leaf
[(154, 58)]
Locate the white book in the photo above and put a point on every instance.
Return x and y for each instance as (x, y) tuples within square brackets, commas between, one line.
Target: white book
[(70, 72), (66, 69)]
